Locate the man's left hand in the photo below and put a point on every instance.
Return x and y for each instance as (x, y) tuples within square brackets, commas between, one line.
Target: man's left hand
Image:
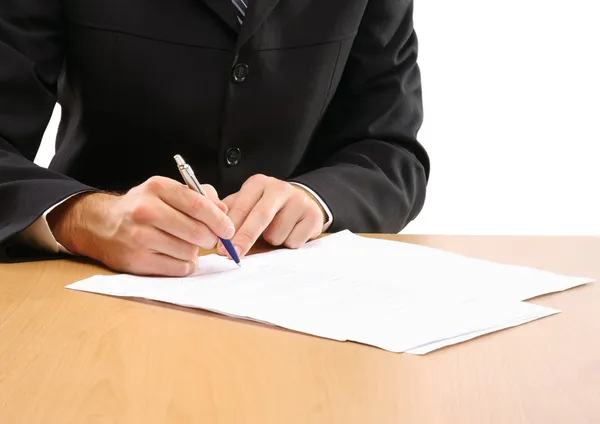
[(283, 213)]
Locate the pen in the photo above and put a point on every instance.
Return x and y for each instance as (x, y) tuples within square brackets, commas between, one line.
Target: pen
[(190, 179)]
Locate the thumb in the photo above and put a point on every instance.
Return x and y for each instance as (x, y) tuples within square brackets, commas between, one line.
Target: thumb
[(230, 200)]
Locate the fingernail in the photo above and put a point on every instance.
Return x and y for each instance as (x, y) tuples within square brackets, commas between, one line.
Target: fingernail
[(193, 267), (230, 232), (238, 250)]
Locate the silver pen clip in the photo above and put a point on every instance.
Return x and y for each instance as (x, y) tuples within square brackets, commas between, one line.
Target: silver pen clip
[(188, 175)]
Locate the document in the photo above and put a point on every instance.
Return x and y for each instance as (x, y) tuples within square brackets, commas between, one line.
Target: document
[(392, 295), (521, 313)]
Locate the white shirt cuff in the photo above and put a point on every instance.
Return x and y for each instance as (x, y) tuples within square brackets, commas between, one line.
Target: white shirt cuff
[(40, 235), (325, 208)]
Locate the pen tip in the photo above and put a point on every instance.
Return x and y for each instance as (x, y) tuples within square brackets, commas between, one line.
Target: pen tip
[(239, 264)]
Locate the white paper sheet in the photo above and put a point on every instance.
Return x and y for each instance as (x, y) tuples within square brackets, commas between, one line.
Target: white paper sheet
[(521, 314), (396, 296)]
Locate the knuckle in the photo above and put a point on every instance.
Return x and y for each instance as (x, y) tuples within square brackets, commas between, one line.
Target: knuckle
[(223, 207), (198, 233), (264, 215), (258, 179), (194, 251), (223, 222), (293, 244), (204, 237), (284, 188), (155, 184), (229, 201), (198, 204), (189, 252), (273, 238), (209, 241), (138, 236), (142, 212), (180, 269), (314, 215), (302, 199)]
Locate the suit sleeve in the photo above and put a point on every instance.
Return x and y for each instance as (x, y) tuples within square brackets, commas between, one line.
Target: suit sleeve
[(365, 161), (40, 235), (31, 59)]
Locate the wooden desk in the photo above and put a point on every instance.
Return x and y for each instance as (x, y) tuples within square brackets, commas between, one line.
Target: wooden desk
[(72, 357)]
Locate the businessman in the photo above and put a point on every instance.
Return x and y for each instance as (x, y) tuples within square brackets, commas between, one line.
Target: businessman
[(299, 116)]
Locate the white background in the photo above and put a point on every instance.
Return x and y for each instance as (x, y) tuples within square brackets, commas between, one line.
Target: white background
[(512, 116)]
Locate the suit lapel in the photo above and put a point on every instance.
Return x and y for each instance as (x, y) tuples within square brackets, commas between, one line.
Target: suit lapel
[(258, 10), (226, 10)]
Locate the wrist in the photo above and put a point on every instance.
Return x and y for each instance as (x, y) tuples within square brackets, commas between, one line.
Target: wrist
[(75, 223)]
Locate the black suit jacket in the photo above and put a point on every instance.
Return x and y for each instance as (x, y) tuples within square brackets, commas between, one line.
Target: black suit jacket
[(326, 93)]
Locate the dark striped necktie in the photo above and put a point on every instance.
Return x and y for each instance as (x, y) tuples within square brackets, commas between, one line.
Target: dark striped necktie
[(241, 6)]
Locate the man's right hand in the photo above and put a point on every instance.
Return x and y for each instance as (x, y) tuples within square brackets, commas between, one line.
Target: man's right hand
[(156, 228)]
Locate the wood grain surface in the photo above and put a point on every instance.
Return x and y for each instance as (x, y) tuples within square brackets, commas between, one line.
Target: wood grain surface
[(74, 357)]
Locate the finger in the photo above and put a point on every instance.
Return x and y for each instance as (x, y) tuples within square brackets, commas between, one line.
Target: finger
[(194, 205), (221, 249), (210, 191), (283, 223), (258, 220), (245, 201), (156, 213), (212, 194), (157, 264), (223, 207), (229, 201), (161, 242), (307, 229)]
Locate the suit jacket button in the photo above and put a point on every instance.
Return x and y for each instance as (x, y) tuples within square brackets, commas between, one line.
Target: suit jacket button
[(240, 72), (233, 156)]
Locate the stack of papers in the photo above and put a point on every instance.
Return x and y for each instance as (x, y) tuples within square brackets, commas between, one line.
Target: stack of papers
[(396, 296)]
